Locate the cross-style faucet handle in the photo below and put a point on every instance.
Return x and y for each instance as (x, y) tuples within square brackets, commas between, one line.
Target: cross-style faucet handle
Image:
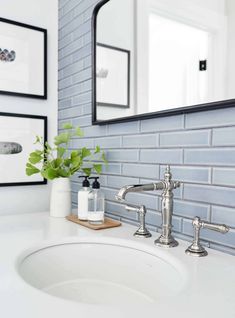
[(196, 249)]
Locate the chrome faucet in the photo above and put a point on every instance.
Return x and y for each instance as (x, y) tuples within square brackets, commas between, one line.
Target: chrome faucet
[(167, 185), (196, 249)]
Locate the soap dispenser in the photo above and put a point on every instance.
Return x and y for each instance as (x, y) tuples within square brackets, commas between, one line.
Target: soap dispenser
[(96, 204), (83, 199)]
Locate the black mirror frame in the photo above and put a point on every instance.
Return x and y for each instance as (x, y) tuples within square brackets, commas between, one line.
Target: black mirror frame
[(170, 112)]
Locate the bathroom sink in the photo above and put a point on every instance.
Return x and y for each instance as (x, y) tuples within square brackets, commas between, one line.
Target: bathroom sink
[(103, 272)]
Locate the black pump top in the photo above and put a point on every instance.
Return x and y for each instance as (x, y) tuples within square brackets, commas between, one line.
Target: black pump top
[(85, 183), (95, 184)]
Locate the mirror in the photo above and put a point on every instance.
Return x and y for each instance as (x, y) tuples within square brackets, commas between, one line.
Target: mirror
[(159, 57)]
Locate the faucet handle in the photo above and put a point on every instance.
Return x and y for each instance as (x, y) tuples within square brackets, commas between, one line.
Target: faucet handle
[(141, 210), (196, 249)]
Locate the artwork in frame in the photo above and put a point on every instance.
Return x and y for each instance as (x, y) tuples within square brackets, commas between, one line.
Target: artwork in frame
[(17, 137), (112, 76), (23, 59)]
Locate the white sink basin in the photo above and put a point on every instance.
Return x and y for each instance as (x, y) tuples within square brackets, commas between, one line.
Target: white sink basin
[(103, 272)]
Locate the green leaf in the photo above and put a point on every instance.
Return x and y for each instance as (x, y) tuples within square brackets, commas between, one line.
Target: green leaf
[(67, 162), (56, 162), (30, 169), (62, 138), (63, 173), (67, 126), (103, 157), (35, 158), (97, 149), (38, 140), (85, 152), (60, 151), (52, 173), (87, 171), (79, 132), (98, 168)]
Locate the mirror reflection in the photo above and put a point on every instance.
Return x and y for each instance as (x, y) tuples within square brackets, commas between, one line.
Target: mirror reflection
[(156, 55)]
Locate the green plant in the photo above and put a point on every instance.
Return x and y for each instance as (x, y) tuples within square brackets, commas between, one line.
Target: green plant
[(58, 161)]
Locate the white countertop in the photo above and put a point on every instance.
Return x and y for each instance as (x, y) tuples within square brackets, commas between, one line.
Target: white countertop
[(210, 292)]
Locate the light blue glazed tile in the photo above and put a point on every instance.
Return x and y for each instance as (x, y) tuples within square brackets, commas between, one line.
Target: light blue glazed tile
[(166, 156), (224, 136), (153, 218), (223, 215), (224, 176), (83, 98), (65, 41), (150, 201), (69, 113), (94, 131), (185, 139), (65, 104), (163, 124), (123, 128), (112, 168), (73, 69), (82, 121), (82, 76), (119, 211), (82, 142), (141, 171), (216, 156), (120, 181), (73, 47), (213, 118), (210, 194), (108, 142), (127, 155), (191, 209), (188, 174), (224, 249), (140, 141)]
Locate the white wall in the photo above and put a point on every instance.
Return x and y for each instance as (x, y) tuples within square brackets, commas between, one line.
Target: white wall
[(41, 13)]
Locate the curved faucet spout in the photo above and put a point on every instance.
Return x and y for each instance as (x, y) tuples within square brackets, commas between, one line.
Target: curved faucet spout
[(138, 188)]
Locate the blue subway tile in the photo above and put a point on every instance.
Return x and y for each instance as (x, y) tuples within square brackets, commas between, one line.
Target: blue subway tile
[(126, 156), (185, 139), (224, 176), (213, 118), (141, 171), (166, 156), (189, 174), (216, 156), (224, 136), (162, 124), (140, 141), (210, 194), (223, 215), (123, 128)]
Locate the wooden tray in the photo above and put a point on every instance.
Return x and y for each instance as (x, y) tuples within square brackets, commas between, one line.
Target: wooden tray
[(108, 223)]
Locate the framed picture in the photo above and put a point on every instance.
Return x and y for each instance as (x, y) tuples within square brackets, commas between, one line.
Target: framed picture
[(112, 76), (17, 137), (23, 60)]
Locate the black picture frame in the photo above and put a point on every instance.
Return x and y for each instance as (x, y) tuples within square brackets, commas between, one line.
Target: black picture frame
[(44, 130), (170, 112), (42, 95), (128, 67)]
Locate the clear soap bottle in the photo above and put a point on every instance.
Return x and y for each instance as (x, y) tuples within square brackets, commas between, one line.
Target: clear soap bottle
[(96, 204), (83, 196)]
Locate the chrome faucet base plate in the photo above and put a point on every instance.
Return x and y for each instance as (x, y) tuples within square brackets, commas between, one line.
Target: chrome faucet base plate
[(144, 234), (196, 253), (196, 250), (162, 242)]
